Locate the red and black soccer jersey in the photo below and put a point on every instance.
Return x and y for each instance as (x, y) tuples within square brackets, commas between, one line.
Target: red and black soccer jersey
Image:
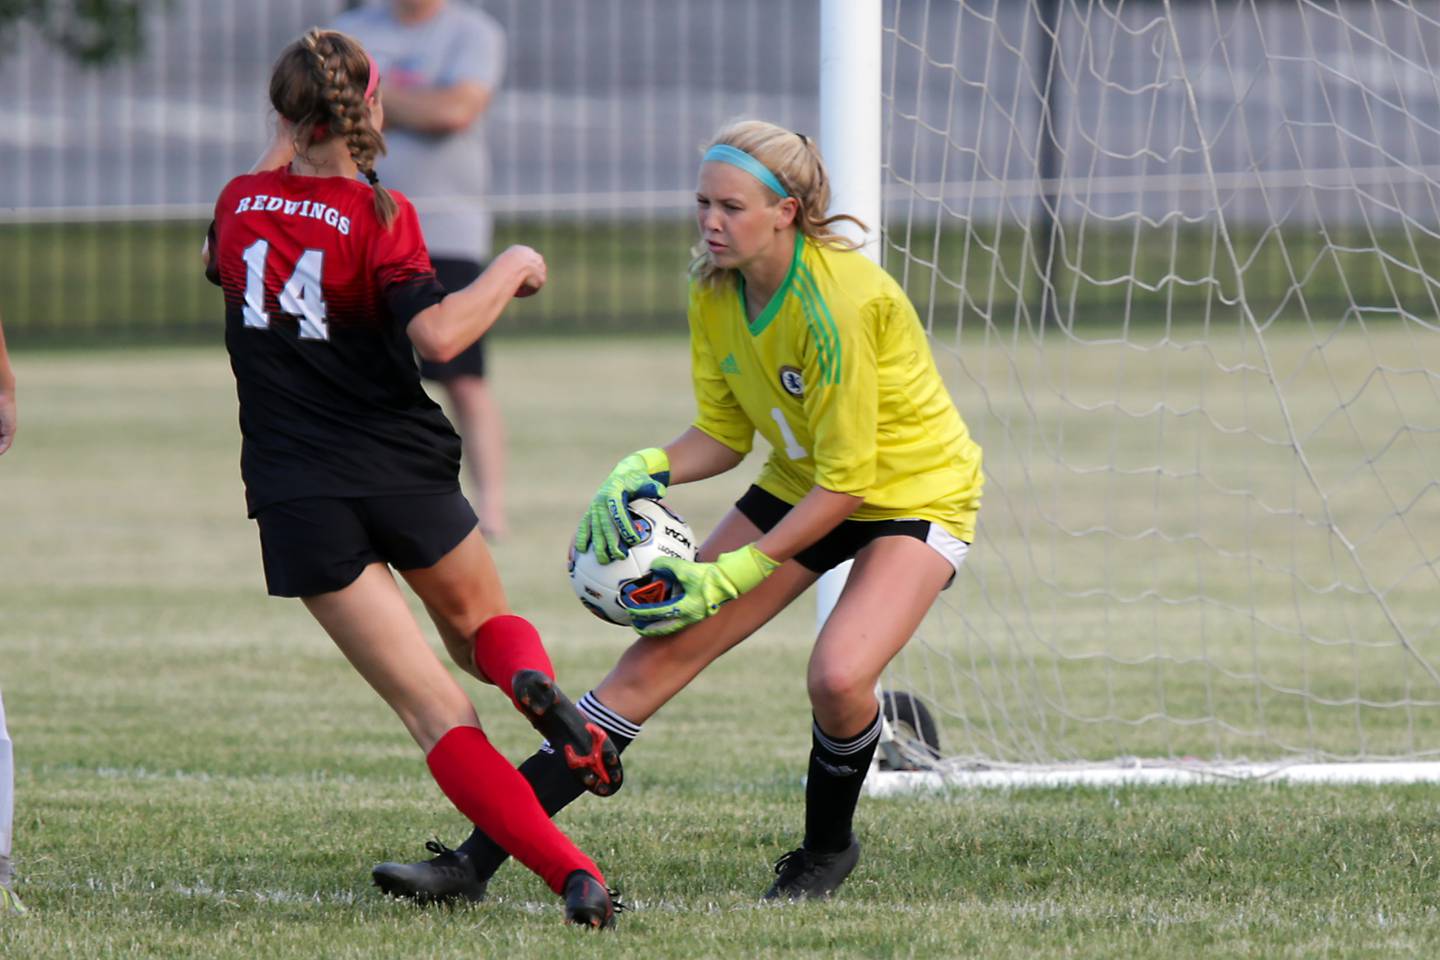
[(317, 298)]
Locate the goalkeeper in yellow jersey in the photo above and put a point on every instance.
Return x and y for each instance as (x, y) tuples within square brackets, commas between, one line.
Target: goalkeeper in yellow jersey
[(800, 338)]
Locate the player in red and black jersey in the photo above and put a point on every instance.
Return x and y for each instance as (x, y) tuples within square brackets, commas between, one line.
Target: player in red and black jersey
[(350, 469)]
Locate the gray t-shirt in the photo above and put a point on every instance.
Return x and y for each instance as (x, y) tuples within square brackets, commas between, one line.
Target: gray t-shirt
[(447, 176)]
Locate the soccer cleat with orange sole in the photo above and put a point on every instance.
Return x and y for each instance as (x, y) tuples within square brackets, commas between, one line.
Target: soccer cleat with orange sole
[(584, 745)]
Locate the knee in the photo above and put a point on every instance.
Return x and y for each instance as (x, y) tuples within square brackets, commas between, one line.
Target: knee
[(832, 688), (465, 615)]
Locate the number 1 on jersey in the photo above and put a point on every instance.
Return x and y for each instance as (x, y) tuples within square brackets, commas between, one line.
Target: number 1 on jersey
[(793, 450), (302, 296)]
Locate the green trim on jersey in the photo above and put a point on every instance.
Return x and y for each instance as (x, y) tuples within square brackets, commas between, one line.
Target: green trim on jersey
[(879, 425), (822, 326), (778, 299)]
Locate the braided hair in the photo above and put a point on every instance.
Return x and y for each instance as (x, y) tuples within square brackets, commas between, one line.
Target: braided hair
[(318, 84)]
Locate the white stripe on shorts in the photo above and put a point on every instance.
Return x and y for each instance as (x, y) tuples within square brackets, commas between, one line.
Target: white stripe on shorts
[(949, 546)]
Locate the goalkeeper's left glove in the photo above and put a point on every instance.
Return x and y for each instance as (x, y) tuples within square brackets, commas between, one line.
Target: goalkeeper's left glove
[(702, 589), (606, 522)]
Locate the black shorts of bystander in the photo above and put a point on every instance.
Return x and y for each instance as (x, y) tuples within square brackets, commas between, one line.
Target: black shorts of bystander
[(470, 362)]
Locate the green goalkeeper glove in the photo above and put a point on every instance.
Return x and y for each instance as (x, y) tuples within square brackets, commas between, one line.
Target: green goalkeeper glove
[(606, 522), (702, 589)]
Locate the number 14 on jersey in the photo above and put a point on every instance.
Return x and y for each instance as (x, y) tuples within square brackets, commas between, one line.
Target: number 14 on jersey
[(302, 296)]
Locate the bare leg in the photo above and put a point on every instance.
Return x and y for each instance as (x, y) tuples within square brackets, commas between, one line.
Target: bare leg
[(482, 433), (461, 592), (371, 624), (889, 590)]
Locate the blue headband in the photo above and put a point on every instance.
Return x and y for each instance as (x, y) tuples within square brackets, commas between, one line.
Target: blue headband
[(723, 153)]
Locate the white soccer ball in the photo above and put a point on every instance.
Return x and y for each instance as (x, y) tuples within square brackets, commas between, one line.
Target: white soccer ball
[(600, 585)]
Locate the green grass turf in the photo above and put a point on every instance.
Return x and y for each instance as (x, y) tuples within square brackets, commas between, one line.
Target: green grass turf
[(201, 774)]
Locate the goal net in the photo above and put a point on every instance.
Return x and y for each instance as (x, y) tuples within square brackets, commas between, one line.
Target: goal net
[(1180, 263)]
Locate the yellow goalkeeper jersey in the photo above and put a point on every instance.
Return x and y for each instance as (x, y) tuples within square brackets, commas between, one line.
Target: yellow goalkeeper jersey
[(836, 373)]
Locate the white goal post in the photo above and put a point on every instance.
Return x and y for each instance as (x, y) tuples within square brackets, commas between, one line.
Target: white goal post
[(1180, 266)]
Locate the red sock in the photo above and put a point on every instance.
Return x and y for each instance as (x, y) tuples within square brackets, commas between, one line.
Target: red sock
[(507, 644), (497, 799)]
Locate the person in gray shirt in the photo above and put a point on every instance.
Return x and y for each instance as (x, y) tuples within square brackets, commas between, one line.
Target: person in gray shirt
[(441, 62)]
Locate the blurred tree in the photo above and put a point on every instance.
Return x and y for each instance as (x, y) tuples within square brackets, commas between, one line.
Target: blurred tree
[(93, 32)]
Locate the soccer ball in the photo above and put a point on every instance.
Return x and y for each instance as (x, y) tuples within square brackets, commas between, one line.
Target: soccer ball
[(600, 586)]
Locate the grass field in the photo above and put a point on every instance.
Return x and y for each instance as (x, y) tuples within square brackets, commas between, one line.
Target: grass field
[(201, 774)]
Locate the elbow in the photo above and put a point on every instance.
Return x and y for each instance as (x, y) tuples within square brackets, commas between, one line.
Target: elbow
[(442, 331), (452, 121), (435, 350), (431, 339), (448, 125)]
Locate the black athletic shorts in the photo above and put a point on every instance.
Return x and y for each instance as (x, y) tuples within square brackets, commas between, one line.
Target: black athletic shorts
[(470, 362), (765, 510), (320, 544)]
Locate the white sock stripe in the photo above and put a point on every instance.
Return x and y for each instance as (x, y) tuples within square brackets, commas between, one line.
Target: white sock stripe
[(608, 719), (844, 748)]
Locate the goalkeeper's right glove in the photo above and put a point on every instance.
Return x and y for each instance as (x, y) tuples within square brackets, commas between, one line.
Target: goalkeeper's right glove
[(606, 522), (702, 589)]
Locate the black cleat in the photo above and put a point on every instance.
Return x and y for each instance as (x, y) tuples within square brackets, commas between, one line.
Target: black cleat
[(587, 902), (805, 875), (586, 748), (448, 876)]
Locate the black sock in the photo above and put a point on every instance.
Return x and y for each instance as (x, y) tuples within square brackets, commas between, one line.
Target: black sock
[(837, 772), (554, 782)]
